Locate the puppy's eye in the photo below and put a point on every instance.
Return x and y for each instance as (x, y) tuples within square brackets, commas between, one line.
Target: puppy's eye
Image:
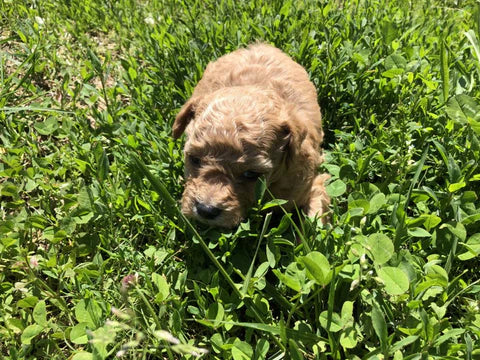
[(251, 175), (195, 161)]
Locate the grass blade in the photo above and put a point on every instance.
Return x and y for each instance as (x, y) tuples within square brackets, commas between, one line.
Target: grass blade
[(308, 337), (246, 282), (420, 165), (413, 183), (15, 109), (444, 69), (472, 38)]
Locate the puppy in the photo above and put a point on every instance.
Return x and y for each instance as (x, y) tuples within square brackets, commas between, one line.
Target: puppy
[(254, 113)]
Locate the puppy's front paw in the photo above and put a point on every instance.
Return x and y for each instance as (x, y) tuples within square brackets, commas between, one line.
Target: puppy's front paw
[(319, 200)]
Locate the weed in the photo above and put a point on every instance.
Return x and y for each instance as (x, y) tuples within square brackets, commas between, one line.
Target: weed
[(97, 262)]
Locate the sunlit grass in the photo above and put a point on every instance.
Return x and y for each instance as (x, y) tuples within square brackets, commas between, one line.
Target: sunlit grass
[(97, 262)]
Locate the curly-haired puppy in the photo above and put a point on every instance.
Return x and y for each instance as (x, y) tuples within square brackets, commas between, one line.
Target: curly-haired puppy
[(253, 113)]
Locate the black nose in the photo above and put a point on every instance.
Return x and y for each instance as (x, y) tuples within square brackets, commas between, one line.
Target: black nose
[(207, 211)]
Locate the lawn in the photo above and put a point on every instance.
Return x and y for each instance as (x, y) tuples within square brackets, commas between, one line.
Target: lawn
[(97, 262)]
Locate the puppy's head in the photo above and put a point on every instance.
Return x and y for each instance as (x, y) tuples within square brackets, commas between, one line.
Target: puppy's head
[(234, 136)]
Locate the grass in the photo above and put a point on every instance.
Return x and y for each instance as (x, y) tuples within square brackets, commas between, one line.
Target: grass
[(96, 262)]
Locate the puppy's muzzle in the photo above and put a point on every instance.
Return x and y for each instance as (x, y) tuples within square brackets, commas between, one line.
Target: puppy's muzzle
[(207, 212)]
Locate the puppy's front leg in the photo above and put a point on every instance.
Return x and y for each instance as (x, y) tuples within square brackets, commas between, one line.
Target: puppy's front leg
[(319, 200)]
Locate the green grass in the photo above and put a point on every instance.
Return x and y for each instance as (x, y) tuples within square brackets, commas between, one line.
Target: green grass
[(97, 262)]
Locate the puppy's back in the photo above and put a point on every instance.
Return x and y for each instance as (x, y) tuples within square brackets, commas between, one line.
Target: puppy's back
[(265, 66), (261, 65)]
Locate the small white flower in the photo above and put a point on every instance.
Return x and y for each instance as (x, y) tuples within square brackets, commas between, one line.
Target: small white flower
[(149, 20), (354, 284), (21, 286), (121, 353), (363, 261), (33, 261), (39, 20)]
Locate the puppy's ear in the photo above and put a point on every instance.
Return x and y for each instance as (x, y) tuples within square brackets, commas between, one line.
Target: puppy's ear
[(184, 116), (289, 132), (304, 139), (285, 138), (289, 143)]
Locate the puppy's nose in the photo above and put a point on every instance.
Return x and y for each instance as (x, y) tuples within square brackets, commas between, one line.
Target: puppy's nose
[(207, 211)]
